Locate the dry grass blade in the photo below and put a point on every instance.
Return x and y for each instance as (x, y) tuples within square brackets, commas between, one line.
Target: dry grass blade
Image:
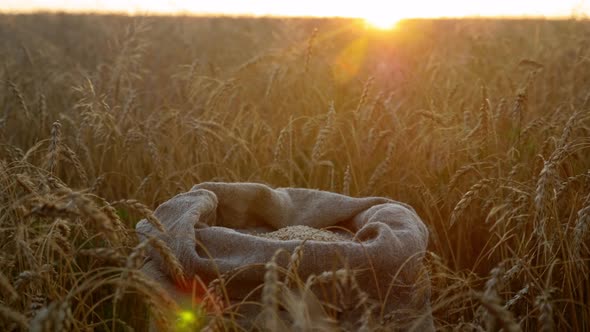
[(105, 254), (531, 63)]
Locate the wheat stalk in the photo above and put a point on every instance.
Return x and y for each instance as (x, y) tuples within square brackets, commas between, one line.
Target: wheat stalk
[(519, 109), (169, 258), (468, 197), (545, 313), (381, 169), (568, 128), (293, 266), (55, 146), (580, 234), (21, 98), (161, 305), (14, 316), (280, 146), (309, 49), (270, 294), (517, 297), (497, 314), (73, 157), (364, 96), (461, 172), (544, 193), (132, 262), (88, 209), (56, 317), (323, 135), (346, 181), (104, 254), (7, 288), (144, 210)]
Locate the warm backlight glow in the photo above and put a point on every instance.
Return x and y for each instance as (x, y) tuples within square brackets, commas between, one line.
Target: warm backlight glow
[(379, 13), (384, 22)]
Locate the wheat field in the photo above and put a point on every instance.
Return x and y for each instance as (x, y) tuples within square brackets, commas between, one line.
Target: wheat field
[(483, 126)]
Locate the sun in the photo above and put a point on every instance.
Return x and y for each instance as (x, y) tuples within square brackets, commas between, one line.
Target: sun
[(382, 21)]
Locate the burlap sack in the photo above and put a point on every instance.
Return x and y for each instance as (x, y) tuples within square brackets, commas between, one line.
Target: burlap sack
[(212, 229)]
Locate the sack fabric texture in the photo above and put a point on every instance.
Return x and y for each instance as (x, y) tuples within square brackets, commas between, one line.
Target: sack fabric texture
[(214, 230)]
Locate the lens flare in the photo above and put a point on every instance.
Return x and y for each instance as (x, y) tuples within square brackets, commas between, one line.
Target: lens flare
[(186, 317), (190, 320), (382, 21), (350, 60)]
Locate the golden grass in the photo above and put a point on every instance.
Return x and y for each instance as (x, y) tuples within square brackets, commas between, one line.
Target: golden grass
[(482, 126)]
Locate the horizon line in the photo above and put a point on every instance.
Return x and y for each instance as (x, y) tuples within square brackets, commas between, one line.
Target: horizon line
[(132, 13)]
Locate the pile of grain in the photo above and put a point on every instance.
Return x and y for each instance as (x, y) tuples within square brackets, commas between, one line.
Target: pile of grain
[(300, 232)]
